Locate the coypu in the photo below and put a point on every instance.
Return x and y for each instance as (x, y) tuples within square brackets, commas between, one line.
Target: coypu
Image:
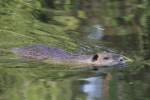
[(55, 55)]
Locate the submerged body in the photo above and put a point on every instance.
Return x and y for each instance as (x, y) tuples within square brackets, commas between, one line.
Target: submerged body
[(55, 55)]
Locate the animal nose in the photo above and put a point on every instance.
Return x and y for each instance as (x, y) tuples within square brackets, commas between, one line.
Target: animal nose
[(117, 57), (121, 63)]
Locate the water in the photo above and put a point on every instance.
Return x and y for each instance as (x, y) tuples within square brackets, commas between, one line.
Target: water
[(29, 80), (26, 80)]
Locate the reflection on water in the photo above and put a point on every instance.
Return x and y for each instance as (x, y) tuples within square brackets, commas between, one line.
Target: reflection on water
[(95, 33), (93, 88), (40, 81), (51, 22), (48, 84)]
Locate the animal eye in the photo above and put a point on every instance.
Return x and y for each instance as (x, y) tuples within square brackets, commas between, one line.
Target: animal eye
[(106, 58)]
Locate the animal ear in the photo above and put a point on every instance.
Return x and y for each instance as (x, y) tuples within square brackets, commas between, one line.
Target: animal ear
[(95, 57)]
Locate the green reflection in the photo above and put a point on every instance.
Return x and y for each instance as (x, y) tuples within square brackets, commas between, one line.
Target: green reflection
[(62, 23)]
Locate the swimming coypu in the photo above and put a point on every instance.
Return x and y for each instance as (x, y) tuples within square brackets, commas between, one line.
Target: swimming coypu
[(55, 55)]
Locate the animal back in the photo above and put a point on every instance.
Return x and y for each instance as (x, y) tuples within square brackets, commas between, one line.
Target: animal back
[(41, 52)]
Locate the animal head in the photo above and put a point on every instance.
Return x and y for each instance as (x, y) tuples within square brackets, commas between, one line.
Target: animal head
[(107, 59)]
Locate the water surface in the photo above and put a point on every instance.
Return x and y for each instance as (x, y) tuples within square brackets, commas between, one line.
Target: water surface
[(75, 28)]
